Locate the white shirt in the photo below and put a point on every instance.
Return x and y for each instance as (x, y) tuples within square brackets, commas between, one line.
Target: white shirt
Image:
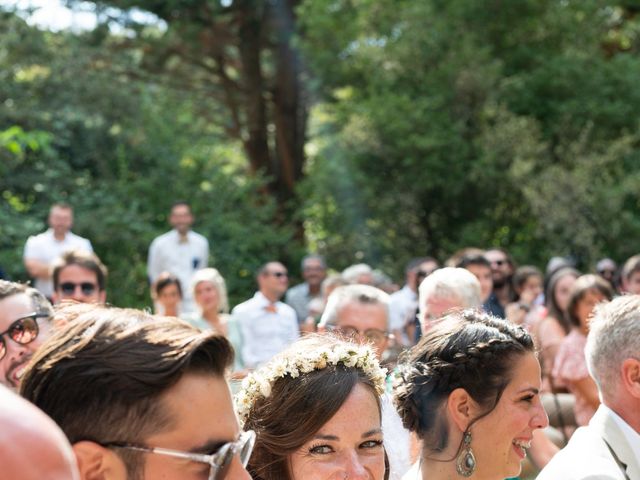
[(45, 247), (181, 258), (630, 434), (264, 333), (402, 304)]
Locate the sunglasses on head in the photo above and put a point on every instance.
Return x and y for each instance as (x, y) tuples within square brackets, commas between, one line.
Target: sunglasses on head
[(23, 331), (69, 288), (219, 462)]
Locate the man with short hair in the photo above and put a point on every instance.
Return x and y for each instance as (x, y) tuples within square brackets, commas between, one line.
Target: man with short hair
[(33, 447), (24, 325), (180, 252), (41, 250), (139, 396), (609, 447), (314, 271), (267, 325), (79, 276), (481, 268), (502, 268)]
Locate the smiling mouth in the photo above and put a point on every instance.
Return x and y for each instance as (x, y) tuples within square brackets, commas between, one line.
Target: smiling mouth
[(15, 374), (521, 446)]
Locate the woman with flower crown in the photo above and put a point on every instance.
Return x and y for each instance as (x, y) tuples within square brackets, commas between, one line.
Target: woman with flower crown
[(470, 390), (315, 409)]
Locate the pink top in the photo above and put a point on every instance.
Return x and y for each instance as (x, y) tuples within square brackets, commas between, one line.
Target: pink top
[(570, 366)]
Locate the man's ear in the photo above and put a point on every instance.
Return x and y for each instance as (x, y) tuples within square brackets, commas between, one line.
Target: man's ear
[(461, 408), (96, 462), (631, 376)]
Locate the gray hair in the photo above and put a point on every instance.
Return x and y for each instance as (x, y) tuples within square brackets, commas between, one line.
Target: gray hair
[(313, 256), (341, 296), (351, 274), (212, 276), (614, 336), (450, 282)]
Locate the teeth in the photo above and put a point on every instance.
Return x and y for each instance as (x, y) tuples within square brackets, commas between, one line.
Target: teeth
[(20, 373), (522, 443)]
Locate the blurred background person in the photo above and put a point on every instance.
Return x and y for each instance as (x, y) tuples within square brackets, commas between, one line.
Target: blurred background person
[(527, 287), (608, 269), (358, 273), (502, 268), (80, 276), (570, 366), (167, 295), (314, 271)]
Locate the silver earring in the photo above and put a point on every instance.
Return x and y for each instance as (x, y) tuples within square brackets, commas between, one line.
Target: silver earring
[(466, 461)]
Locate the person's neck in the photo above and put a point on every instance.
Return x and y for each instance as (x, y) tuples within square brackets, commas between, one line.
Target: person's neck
[(271, 296), (626, 409), (60, 236), (314, 289), (171, 312), (211, 316), (502, 293)]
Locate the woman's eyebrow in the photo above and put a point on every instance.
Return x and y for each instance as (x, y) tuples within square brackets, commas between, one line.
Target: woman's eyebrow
[(319, 436), (370, 433), (533, 390)]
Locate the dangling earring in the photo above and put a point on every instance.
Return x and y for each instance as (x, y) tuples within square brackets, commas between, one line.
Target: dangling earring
[(466, 461)]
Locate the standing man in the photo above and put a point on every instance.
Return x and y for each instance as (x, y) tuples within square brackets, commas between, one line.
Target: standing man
[(267, 325), (609, 447), (314, 271), (502, 269), (79, 276), (139, 396), (24, 325), (180, 251), (41, 250)]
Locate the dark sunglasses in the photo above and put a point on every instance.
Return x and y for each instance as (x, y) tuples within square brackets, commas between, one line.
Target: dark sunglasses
[(498, 262), (279, 274), (69, 288), (23, 331)]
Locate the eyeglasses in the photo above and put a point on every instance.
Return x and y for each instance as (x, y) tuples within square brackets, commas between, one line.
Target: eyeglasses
[(23, 331), (69, 288), (498, 262), (219, 461), (372, 335), (278, 274)]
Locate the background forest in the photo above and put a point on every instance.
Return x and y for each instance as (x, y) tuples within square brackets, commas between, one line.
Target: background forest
[(365, 130)]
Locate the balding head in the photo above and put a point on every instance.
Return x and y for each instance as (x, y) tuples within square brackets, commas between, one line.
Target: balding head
[(33, 447)]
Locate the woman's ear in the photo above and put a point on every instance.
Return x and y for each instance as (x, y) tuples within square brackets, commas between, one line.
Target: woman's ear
[(461, 408)]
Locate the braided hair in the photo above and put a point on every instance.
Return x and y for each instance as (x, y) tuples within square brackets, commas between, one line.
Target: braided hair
[(470, 350)]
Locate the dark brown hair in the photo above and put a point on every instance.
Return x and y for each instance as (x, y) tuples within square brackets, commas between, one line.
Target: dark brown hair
[(522, 274), (164, 280), (469, 350), (584, 284), (100, 375), (553, 308), (298, 407), (83, 259)]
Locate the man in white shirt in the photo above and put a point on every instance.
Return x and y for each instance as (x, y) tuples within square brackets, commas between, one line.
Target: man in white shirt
[(609, 447), (180, 251), (267, 325), (42, 249)]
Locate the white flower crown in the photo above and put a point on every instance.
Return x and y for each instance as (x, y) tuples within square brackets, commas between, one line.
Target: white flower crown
[(258, 384)]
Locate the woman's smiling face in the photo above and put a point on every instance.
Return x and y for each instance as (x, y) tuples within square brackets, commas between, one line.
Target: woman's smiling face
[(350, 443), (499, 440)]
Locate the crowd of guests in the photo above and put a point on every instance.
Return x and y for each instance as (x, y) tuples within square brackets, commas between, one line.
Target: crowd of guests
[(459, 372)]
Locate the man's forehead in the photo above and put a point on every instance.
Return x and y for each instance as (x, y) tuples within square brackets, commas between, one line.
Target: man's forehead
[(13, 307), (355, 312)]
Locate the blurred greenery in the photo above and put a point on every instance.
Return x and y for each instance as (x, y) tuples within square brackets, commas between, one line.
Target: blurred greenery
[(430, 126)]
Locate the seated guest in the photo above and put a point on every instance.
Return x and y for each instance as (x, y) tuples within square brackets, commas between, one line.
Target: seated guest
[(314, 271), (33, 447), (267, 325), (79, 275), (570, 367), (527, 286), (609, 447), (25, 323), (139, 396), (167, 295), (481, 268), (469, 390), (316, 411), (209, 290), (358, 273)]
